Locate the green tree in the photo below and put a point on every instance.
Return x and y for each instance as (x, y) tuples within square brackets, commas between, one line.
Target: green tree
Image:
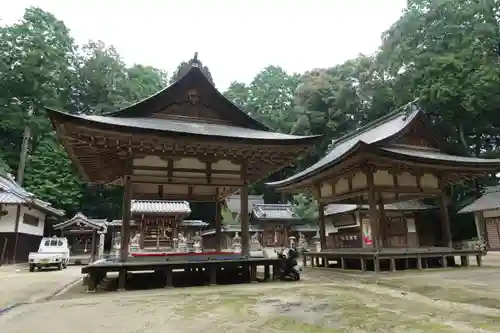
[(144, 81), (306, 207), (444, 53), (102, 79), (50, 175), (36, 69)]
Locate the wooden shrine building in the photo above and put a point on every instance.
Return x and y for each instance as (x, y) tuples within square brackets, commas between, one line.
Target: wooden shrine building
[(276, 221), (395, 158), (84, 237), (186, 142), (486, 210), (159, 221), (351, 225)]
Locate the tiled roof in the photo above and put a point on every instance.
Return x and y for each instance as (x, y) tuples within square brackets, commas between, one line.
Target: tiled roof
[(410, 205), (193, 223), (382, 131), (233, 202), (10, 198), (274, 212), (97, 224), (160, 207), (304, 228), (79, 219), (439, 156), (232, 228), (374, 132), (137, 116), (12, 193), (118, 223), (490, 200)]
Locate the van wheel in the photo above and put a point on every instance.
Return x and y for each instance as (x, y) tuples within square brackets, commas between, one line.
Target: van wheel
[(60, 266), (65, 264), (32, 267)]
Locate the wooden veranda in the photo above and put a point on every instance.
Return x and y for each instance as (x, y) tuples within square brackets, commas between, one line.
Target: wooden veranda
[(187, 142), (395, 158)]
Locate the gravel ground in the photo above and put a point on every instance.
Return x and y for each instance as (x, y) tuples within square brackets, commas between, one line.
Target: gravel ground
[(18, 285), (452, 300)]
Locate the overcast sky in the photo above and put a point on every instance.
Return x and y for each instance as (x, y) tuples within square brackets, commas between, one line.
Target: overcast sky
[(234, 38)]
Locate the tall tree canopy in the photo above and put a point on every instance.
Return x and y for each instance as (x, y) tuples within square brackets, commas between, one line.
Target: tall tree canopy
[(445, 53)]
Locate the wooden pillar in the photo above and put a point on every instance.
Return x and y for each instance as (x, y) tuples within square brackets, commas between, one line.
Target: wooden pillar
[(218, 222), (93, 246), (372, 210), (321, 218), (16, 233), (125, 230), (445, 221), (382, 221), (480, 226), (142, 230), (245, 228)]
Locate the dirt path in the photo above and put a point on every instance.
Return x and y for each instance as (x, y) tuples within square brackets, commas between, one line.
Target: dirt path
[(325, 301), (18, 285), (431, 301)]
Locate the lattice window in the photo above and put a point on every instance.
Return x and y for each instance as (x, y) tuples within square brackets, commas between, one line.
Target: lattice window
[(31, 220)]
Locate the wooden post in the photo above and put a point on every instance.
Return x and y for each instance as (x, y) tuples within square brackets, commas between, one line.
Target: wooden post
[(445, 221), (372, 210), (321, 218), (480, 227), (217, 222), (125, 231), (16, 232), (142, 230), (382, 222), (93, 246), (245, 228)]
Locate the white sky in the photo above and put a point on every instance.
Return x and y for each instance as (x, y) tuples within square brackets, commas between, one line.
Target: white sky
[(235, 39)]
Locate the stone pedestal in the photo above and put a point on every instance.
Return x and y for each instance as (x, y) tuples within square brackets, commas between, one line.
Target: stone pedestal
[(302, 245), (255, 246), (236, 243), (197, 247), (100, 254)]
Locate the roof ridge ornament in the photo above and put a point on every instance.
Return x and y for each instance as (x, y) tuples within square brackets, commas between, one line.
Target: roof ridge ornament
[(195, 62)]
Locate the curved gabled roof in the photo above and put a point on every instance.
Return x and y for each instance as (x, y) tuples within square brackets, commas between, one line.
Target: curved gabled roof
[(382, 129), (175, 127), (211, 97)]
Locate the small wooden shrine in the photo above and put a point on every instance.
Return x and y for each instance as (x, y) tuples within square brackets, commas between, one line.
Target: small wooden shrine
[(486, 210), (351, 225), (186, 142), (159, 221), (83, 235), (395, 158), (276, 221)]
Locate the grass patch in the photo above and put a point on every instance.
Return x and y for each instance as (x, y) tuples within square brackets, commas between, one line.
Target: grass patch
[(287, 324), (445, 292)]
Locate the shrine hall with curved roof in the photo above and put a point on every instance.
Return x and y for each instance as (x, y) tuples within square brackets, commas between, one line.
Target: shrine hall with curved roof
[(188, 140)]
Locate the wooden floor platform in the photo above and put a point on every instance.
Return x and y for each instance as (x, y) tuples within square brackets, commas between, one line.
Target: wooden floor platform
[(390, 258), (210, 270)]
